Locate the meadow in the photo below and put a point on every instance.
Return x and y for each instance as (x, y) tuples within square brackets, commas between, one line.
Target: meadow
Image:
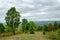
[(28, 30), (24, 36)]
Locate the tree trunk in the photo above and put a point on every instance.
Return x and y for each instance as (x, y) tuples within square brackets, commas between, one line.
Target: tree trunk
[(13, 29)]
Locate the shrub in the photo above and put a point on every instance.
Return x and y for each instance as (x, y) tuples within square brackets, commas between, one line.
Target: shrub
[(18, 31), (44, 33), (2, 28), (54, 35), (58, 35), (8, 29), (58, 31), (32, 32), (45, 28)]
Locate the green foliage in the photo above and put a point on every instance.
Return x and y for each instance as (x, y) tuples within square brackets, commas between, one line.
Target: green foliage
[(24, 24), (45, 28), (12, 18), (18, 31), (8, 29), (58, 31), (24, 21), (55, 26), (54, 35), (32, 27), (27, 26), (39, 28), (58, 34), (32, 30), (50, 27), (1, 28), (59, 26)]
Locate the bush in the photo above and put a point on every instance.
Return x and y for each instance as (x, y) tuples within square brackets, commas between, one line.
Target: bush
[(2, 28), (45, 28), (32, 32), (8, 29), (58, 31), (18, 31), (54, 35), (43, 33), (58, 35)]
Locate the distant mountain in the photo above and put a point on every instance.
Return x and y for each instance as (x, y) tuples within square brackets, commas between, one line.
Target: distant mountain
[(44, 22), (39, 23)]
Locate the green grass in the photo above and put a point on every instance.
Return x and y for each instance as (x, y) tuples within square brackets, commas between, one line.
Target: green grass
[(54, 35), (36, 36)]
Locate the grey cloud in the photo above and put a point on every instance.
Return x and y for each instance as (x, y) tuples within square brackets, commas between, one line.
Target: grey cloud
[(50, 7)]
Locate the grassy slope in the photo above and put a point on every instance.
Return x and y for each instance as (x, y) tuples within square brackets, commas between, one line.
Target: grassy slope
[(37, 36)]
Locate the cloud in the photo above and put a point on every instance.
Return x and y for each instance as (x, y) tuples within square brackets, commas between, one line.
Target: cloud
[(32, 9)]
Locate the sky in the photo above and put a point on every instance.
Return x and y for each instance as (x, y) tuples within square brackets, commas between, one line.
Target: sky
[(35, 10)]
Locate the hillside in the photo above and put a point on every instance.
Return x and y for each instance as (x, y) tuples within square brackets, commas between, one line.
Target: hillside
[(44, 22), (37, 36)]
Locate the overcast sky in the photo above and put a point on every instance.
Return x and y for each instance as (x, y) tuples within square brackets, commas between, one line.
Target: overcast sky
[(36, 10)]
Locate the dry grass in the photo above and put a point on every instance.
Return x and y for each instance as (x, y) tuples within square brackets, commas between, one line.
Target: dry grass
[(36, 36)]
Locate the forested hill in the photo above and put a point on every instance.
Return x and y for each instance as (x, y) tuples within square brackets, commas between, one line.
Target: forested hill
[(44, 22)]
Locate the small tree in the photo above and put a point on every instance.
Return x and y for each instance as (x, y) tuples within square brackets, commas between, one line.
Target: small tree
[(50, 27), (45, 28), (39, 28), (24, 24), (27, 27), (32, 27), (55, 26), (32, 30), (59, 26), (1, 28)]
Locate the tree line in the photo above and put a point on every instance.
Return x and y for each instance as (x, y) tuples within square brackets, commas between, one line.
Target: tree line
[(12, 19)]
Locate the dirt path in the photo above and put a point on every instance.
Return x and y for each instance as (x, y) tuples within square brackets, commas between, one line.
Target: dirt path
[(37, 36)]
